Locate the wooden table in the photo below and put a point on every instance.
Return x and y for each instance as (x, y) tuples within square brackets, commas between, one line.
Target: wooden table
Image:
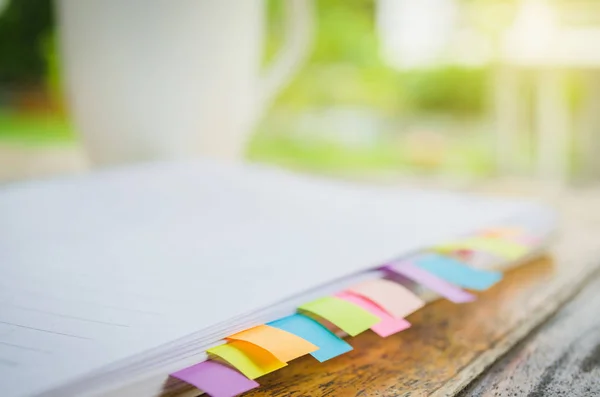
[(561, 357), (451, 345)]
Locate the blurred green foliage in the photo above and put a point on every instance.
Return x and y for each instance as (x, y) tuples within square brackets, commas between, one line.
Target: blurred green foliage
[(469, 156), (34, 128), (345, 68), (452, 89), (24, 25)]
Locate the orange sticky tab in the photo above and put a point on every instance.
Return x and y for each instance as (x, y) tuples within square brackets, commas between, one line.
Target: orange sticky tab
[(392, 297), (282, 344), (502, 232), (247, 358)]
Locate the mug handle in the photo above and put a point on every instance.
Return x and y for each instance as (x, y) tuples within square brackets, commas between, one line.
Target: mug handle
[(299, 31)]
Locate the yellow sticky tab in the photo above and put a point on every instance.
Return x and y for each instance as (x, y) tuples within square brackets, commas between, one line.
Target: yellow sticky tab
[(247, 358), (282, 344), (503, 248), (350, 318), (449, 247)]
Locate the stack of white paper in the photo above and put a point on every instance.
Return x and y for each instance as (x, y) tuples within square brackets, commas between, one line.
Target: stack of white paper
[(111, 281)]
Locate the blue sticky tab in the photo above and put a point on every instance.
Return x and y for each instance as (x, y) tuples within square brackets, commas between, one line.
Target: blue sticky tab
[(458, 273), (329, 345)]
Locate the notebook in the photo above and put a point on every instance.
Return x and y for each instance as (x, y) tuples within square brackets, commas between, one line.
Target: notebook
[(122, 282)]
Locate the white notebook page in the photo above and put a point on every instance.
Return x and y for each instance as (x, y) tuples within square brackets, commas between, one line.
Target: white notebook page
[(102, 267)]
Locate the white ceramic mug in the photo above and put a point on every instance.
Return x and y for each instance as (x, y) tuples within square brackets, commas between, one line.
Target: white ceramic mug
[(168, 79)]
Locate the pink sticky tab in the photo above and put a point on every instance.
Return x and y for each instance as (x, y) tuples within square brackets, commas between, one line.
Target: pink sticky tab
[(431, 281), (392, 297), (527, 240), (217, 380), (388, 324)]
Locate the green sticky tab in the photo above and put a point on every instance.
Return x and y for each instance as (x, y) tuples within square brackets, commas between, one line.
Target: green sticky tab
[(347, 316)]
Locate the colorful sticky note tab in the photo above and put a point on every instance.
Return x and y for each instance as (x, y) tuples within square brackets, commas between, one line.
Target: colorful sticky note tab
[(503, 232), (387, 325), (249, 359), (431, 281), (516, 236), (217, 380), (348, 317), (457, 273), (503, 248), (392, 297), (526, 240), (282, 344), (305, 327)]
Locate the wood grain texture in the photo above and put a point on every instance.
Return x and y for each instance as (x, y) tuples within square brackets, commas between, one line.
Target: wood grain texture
[(450, 345), (562, 357)]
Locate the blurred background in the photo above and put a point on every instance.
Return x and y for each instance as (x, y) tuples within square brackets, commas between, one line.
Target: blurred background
[(457, 89)]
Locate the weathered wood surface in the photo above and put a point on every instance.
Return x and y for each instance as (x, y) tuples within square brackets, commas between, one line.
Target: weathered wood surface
[(561, 358)]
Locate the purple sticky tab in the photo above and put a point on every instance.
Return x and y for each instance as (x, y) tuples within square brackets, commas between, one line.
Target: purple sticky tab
[(431, 281), (217, 380)]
